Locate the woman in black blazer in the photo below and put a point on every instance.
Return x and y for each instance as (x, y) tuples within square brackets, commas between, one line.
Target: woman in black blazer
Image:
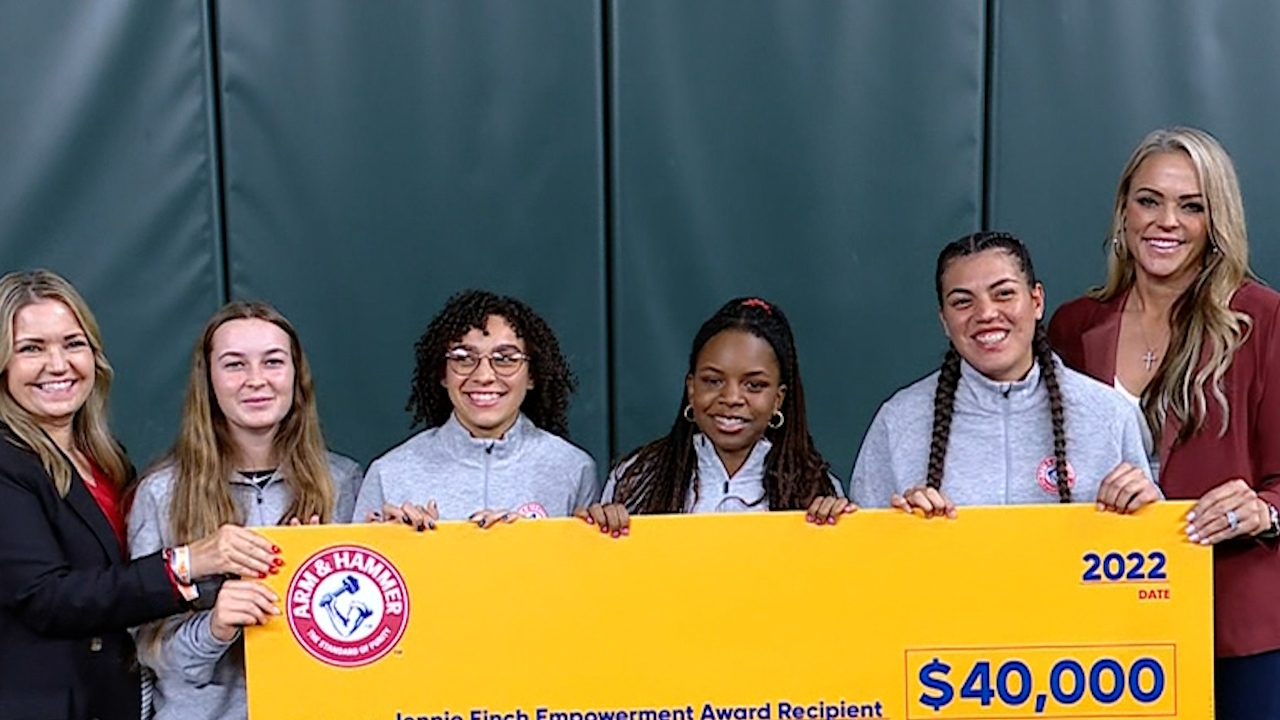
[(68, 593)]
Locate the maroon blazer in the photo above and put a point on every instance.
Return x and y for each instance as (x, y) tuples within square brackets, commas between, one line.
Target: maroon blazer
[(1246, 580)]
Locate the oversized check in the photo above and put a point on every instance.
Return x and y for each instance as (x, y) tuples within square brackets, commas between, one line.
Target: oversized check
[(1018, 612)]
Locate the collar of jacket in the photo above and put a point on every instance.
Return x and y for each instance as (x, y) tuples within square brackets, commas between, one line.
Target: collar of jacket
[(978, 390), (462, 446), (747, 483)]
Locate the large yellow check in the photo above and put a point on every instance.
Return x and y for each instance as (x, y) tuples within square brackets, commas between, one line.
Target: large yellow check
[(1019, 612)]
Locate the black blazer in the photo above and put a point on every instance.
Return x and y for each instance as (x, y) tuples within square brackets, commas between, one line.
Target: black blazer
[(67, 597)]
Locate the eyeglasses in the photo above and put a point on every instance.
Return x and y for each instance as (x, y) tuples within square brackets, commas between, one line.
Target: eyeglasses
[(465, 362)]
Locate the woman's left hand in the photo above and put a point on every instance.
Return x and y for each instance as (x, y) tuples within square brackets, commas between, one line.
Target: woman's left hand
[(1125, 489), (826, 509), (1233, 509)]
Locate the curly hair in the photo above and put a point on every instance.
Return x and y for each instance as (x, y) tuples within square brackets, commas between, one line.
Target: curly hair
[(656, 477), (547, 402)]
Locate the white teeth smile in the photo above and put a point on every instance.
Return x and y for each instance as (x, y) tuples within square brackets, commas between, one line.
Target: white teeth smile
[(729, 423), (1163, 243), (58, 386), (991, 337), (485, 396)]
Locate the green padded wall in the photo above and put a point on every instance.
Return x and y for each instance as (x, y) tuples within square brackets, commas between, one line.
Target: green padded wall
[(107, 177), (817, 154), (1077, 83), (624, 166), (382, 156)]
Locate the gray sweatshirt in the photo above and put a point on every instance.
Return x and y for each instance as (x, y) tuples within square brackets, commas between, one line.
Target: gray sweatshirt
[(529, 471), (1001, 444), (713, 490), (198, 676)]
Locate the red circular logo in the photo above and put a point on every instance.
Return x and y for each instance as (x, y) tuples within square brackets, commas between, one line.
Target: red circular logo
[(1047, 475), (348, 605)]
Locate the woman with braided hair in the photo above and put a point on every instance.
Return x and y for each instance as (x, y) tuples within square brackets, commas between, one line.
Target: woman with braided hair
[(740, 441), (1003, 421), (492, 387)]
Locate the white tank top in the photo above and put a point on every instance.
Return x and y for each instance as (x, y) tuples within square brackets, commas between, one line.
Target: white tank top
[(1153, 457)]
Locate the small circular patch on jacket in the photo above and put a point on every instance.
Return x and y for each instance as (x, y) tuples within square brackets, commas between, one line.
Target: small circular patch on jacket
[(348, 605), (1047, 475), (532, 510)]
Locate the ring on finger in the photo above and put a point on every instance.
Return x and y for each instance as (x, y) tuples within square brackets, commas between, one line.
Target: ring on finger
[(1233, 520)]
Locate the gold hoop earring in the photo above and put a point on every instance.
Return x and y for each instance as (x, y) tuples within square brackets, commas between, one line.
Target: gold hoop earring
[(688, 413), (776, 421)]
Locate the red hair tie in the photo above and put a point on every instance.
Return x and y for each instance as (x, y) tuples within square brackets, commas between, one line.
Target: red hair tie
[(757, 302)]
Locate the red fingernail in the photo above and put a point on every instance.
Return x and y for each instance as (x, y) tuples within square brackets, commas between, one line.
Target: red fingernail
[(617, 534), (262, 576), (604, 528), (590, 520), (831, 520), (626, 531), (273, 570), (277, 561), (275, 549)]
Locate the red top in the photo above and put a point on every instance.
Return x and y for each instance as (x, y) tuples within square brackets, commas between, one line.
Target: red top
[(1246, 576), (107, 496)]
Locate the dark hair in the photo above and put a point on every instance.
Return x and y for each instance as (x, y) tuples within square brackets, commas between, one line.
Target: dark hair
[(656, 477), (546, 404), (949, 376)]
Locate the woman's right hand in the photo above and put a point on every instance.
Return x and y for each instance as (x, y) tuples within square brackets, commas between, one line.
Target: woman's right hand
[(420, 517), (241, 603), (233, 550), (929, 500), (612, 518)]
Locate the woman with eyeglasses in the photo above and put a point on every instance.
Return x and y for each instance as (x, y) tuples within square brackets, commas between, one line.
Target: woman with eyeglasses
[(492, 388)]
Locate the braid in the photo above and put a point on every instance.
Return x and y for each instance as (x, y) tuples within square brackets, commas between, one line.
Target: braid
[(944, 403), (795, 472), (656, 477), (1049, 372), (970, 245)]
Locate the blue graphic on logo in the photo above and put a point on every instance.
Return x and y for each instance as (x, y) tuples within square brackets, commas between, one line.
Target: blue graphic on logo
[(346, 620)]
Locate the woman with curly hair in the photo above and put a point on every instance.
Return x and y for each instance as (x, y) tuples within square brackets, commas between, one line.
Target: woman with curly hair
[(1184, 328), (740, 441), (492, 388), (249, 452)]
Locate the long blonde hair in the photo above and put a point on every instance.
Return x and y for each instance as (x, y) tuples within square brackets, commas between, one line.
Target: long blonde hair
[(1202, 316), (89, 431), (204, 454)]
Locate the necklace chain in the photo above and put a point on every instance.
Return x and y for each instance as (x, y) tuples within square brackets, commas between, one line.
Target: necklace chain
[(1150, 357)]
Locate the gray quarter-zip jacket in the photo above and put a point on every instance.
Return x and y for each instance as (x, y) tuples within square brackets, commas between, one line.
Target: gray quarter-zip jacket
[(198, 676), (713, 491), (529, 471), (1000, 450)]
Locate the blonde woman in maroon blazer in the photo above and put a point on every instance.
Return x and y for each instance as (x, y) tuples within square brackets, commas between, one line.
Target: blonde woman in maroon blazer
[(1183, 327)]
